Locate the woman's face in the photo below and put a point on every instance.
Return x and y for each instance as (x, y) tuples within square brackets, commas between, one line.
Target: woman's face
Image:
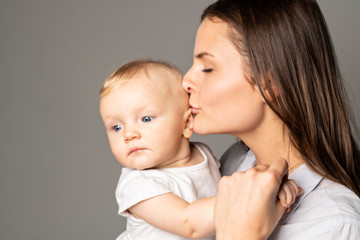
[(223, 101)]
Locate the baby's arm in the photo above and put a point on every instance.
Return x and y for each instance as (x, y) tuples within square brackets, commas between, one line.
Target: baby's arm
[(173, 214), (194, 220)]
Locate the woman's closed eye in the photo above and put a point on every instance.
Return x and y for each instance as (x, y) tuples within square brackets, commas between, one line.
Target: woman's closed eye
[(207, 70), (147, 119)]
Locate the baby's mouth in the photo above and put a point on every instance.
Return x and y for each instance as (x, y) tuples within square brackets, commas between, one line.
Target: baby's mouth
[(135, 150)]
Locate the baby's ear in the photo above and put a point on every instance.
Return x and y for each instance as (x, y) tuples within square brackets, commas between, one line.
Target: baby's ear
[(188, 120)]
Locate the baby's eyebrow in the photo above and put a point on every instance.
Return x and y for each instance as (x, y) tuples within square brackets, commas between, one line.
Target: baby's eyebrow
[(109, 120)]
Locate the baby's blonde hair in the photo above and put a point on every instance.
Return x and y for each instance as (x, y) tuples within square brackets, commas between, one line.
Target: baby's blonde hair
[(131, 69)]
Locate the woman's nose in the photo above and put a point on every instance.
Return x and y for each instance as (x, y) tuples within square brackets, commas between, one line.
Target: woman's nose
[(131, 134), (187, 83)]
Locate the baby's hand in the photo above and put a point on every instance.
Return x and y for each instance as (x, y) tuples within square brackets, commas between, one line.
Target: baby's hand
[(288, 193)]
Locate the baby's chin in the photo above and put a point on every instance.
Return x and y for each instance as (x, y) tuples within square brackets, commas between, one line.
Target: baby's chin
[(139, 164)]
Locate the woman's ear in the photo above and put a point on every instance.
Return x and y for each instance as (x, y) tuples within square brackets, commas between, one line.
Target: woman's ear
[(188, 120)]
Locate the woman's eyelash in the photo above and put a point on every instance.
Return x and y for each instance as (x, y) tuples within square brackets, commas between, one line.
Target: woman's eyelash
[(207, 70)]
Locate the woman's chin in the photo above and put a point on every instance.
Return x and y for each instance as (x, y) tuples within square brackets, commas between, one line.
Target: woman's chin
[(203, 131), (200, 131)]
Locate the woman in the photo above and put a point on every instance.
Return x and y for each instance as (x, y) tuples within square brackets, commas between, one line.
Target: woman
[(266, 72)]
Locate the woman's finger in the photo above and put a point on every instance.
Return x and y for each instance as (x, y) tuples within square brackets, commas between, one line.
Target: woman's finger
[(280, 168)]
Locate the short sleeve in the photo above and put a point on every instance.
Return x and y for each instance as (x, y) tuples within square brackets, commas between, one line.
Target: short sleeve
[(135, 186)]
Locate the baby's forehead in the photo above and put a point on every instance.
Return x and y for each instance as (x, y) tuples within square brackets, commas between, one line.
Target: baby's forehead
[(162, 79), (164, 75), (164, 82)]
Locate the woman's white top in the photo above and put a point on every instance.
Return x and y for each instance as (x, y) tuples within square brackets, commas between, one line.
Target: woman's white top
[(326, 210)]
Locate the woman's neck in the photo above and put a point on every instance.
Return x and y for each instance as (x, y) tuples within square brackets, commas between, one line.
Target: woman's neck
[(271, 141)]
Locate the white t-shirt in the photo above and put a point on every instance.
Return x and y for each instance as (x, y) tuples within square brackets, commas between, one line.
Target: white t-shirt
[(189, 183)]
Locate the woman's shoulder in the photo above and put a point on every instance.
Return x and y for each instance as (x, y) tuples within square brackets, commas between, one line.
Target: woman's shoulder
[(339, 198), (331, 201), (329, 211)]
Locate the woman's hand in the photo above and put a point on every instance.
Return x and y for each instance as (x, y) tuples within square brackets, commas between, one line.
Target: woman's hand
[(247, 206)]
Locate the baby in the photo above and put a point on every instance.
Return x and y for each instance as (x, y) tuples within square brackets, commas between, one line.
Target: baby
[(167, 189)]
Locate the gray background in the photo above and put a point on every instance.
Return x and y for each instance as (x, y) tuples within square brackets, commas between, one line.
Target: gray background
[(57, 174)]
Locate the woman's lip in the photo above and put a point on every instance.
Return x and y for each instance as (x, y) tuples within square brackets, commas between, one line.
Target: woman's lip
[(195, 110)]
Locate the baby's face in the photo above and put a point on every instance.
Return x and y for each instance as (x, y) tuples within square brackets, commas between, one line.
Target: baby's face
[(145, 120)]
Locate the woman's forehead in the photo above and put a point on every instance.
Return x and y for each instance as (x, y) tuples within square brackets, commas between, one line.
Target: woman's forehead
[(211, 34)]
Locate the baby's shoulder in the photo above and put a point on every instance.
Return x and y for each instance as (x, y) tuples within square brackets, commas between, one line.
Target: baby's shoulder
[(130, 176)]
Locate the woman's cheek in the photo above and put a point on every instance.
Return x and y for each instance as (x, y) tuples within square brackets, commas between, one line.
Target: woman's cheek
[(210, 94)]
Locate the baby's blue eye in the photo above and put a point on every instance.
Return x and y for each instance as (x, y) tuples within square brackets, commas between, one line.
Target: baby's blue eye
[(147, 119), (117, 128)]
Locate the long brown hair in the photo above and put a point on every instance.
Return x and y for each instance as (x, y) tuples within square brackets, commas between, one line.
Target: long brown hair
[(290, 58)]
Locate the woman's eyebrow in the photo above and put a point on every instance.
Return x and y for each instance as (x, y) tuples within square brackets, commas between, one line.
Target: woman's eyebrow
[(202, 54)]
